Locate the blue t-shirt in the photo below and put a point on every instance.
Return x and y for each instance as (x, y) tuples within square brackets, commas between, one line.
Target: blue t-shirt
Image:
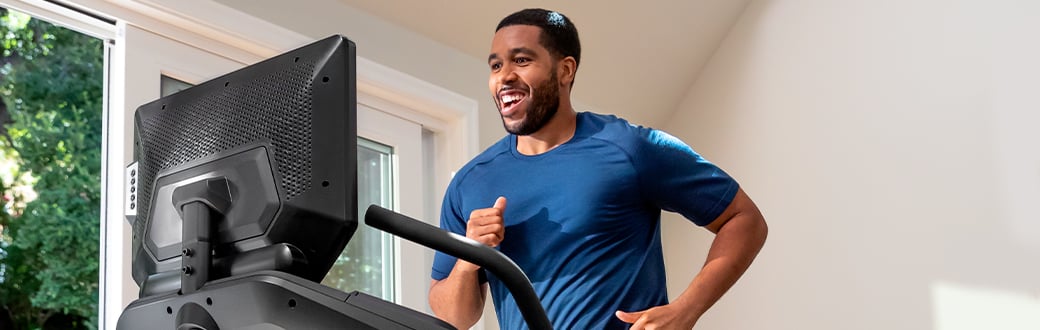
[(583, 219)]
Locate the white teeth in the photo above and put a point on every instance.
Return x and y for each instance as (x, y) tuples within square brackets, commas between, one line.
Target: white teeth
[(510, 98)]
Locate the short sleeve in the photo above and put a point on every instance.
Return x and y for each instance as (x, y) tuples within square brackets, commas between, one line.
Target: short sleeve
[(453, 221), (677, 179)]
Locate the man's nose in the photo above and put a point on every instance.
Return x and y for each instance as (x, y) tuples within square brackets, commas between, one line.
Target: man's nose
[(507, 75)]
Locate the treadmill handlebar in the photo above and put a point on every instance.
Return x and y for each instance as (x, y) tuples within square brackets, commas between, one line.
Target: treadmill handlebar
[(461, 247)]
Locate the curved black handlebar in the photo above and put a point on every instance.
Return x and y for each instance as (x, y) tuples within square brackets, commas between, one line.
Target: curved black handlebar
[(461, 247)]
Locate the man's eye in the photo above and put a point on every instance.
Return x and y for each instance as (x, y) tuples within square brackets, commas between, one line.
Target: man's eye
[(496, 66), (521, 60)]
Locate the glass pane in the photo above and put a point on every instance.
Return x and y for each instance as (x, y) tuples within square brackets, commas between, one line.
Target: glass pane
[(367, 264), (52, 87), (169, 85)]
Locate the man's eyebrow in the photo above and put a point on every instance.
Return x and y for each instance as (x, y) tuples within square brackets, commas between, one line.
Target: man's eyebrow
[(514, 51), (522, 50)]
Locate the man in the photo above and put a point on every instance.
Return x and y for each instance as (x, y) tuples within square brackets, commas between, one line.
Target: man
[(575, 200)]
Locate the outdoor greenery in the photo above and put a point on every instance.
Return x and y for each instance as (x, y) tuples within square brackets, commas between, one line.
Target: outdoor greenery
[(50, 161)]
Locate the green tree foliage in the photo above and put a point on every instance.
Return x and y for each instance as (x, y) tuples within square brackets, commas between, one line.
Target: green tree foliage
[(51, 85)]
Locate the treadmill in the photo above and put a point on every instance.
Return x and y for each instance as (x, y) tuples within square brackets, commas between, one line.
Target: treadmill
[(243, 192)]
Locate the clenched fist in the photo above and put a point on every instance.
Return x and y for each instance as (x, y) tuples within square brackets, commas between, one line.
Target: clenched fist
[(486, 225)]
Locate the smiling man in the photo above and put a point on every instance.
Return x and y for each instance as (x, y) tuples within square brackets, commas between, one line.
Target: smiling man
[(575, 199)]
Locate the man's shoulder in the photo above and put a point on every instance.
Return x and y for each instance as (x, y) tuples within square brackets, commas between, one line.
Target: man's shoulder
[(635, 140), (615, 130), (494, 151), (497, 149)]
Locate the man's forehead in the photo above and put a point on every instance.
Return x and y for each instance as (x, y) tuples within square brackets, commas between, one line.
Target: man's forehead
[(514, 36)]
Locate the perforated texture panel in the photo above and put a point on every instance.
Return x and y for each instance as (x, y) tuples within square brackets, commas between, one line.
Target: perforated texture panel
[(275, 107)]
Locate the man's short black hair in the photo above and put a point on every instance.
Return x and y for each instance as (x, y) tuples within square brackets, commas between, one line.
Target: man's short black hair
[(559, 35)]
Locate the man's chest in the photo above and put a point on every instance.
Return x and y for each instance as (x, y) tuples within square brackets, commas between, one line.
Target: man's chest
[(573, 193)]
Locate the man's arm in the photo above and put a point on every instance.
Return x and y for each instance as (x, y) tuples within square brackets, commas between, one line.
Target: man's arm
[(459, 298), (740, 233)]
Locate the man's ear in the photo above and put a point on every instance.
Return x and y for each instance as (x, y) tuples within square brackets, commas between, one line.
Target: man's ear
[(567, 69)]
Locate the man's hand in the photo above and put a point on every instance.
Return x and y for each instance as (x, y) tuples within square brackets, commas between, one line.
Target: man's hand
[(459, 298), (486, 225), (740, 231), (660, 317)]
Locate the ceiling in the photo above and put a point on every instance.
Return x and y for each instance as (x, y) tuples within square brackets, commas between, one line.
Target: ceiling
[(639, 58)]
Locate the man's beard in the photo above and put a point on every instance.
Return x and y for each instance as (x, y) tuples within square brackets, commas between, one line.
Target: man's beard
[(543, 103)]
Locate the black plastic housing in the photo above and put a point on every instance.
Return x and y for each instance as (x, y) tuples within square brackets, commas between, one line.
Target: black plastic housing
[(283, 133), (271, 300)]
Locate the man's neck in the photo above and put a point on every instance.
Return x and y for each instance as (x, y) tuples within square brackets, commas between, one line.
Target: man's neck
[(557, 131)]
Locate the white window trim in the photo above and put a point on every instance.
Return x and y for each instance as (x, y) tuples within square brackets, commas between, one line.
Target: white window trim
[(63, 16)]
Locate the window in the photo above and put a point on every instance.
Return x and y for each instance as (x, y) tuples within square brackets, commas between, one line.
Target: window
[(367, 263), (50, 182)]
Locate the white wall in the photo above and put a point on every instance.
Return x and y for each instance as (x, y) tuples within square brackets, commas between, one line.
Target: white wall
[(389, 45), (893, 147)]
